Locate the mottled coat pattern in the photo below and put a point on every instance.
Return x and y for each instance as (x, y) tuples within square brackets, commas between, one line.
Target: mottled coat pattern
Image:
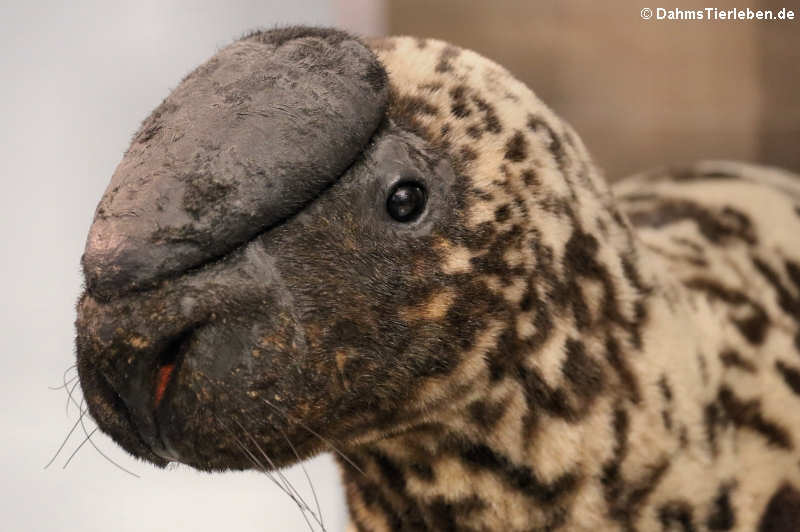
[(644, 372), (539, 354)]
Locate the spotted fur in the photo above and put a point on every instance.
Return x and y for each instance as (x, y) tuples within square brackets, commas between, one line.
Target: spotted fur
[(642, 367), (546, 355)]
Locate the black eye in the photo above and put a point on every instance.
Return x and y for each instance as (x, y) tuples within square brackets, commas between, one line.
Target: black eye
[(406, 202)]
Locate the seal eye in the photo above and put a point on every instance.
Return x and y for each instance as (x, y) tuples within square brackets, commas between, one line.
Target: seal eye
[(406, 201)]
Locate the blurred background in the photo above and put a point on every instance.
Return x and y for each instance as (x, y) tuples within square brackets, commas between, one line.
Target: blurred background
[(78, 77), (641, 93)]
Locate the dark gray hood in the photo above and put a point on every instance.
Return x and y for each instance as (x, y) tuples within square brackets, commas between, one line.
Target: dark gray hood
[(244, 141)]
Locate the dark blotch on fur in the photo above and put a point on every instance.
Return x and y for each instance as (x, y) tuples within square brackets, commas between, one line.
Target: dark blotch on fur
[(459, 106), (718, 227), (731, 358), (486, 414), (520, 478), (611, 478), (753, 325), (711, 419), (446, 514), (502, 213), (789, 303), (556, 148), (783, 511), (583, 372), (529, 177), (448, 53), (747, 414), (406, 111), (676, 514), (490, 119), (620, 364), (722, 515), (791, 376), (517, 147)]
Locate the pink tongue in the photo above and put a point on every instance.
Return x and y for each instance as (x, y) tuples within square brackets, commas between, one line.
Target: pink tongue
[(162, 379)]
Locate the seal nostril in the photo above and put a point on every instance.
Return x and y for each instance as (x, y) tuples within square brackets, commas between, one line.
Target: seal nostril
[(168, 360)]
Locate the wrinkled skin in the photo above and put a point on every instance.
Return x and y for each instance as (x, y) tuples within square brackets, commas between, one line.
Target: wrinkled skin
[(264, 337)]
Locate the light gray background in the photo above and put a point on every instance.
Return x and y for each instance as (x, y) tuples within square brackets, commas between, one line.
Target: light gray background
[(76, 79)]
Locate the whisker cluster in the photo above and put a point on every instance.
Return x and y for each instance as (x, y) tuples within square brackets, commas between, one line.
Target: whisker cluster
[(315, 434), (277, 477), (247, 444), (70, 385)]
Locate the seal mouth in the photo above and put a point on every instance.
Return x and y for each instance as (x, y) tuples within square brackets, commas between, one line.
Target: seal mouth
[(167, 365), (110, 411), (132, 403)]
